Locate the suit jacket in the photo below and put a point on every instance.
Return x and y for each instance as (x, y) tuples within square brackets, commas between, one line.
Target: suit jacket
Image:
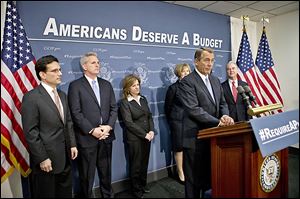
[(137, 119), (86, 111), (174, 114), (238, 109), (201, 111), (46, 134)]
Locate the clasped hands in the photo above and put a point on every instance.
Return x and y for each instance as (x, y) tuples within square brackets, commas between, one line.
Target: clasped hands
[(150, 136), (226, 121), (101, 132)]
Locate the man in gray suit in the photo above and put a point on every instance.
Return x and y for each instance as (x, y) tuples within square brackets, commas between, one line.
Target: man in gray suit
[(48, 129), (201, 94), (94, 113)]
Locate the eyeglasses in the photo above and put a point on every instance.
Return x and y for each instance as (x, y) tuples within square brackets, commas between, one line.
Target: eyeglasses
[(55, 70)]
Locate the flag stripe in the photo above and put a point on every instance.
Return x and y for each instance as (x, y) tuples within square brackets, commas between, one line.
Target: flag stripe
[(266, 73), (15, 156), (20, 83), (17, 77), (12, 120), (272, 71), (30, 81), (12, 92), (6, 168), (13, 135)]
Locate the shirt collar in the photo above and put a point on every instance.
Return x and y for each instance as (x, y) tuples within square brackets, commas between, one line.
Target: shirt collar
[(235, 82), (48, 88), (90, 79), (130, 98), (203, 77)]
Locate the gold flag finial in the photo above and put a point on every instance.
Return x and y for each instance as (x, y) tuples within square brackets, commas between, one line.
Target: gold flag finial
[(244, 18), (264, 21)]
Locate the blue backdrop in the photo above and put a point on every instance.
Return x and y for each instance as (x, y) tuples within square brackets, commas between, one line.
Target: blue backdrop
[(146, 38)]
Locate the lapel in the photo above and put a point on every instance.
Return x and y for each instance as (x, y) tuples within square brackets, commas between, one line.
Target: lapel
[(143, 106), (64, 103), (203, 85), (47, 98), (89, 89), (214, 87)]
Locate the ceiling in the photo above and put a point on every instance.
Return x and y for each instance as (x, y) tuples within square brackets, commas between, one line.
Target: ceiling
[(255, 10)]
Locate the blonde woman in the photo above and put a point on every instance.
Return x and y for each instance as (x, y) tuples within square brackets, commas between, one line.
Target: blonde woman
[(139, 132), (174, 114)]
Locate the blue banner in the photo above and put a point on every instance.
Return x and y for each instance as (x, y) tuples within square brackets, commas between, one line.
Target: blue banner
[(147, 38), (276, 132)]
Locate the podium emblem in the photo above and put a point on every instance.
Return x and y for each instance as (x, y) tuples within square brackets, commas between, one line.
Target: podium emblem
[(269, 173)]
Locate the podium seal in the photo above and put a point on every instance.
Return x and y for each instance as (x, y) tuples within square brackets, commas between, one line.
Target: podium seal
[(269, 173)]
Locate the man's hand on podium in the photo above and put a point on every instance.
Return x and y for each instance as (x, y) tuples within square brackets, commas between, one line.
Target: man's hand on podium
[(226, 121)]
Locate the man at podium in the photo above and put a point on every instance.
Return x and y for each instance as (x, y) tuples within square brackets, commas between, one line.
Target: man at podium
[(203, 100)]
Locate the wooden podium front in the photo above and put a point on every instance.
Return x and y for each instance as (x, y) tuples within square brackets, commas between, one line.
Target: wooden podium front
[(236, 164)]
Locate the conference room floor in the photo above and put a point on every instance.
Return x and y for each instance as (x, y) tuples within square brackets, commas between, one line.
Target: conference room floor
[(169, 187)]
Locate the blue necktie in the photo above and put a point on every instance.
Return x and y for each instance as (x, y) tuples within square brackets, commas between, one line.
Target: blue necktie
[(207, 83), (96, 91)]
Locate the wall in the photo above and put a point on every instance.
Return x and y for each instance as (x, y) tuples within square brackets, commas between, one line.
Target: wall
[(283, 35)]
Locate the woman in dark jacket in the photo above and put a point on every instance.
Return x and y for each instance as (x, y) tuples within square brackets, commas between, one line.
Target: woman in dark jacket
[(139, 131), (174, 114)]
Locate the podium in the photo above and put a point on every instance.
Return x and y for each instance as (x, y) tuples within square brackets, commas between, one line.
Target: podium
[(236, 164)]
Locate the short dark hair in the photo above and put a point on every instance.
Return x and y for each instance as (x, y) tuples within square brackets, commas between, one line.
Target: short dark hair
[(41, 64), (199, 52)]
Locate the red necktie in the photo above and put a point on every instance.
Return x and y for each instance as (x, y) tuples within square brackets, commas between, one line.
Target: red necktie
[(234, 91)]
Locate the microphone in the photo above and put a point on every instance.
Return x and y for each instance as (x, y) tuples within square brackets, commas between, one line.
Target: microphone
[(245, 98), (251, 96)]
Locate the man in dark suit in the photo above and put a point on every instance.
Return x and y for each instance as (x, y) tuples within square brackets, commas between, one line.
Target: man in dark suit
[(237, 107), (94, 113), (202, 97), (48, 129)]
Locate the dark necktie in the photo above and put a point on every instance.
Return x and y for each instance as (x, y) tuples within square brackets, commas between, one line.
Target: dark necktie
[(56, 99)]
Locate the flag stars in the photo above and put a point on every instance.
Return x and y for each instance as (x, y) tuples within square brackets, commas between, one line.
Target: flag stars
[(7, 56)]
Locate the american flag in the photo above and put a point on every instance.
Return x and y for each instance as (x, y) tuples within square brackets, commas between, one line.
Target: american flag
[(267, 79), (17, 77), (247, 69)]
